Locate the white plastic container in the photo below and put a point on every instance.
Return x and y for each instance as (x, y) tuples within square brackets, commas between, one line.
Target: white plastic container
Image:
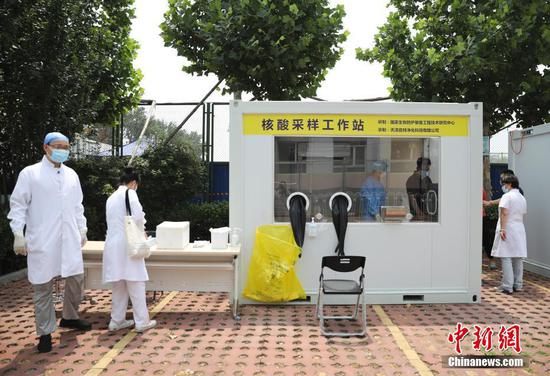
[(172, 235), (219, 237), (236, 234)]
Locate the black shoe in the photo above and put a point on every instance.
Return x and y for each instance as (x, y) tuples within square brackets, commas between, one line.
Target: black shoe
[(45, 343), (75, 324), (516, 290), (506, 292)]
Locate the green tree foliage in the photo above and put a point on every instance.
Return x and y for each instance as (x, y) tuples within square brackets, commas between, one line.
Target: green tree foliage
[(274, 49), (170, 177), (99, 179), (492, 51), (172, 174), (63, 65), (158, 130)]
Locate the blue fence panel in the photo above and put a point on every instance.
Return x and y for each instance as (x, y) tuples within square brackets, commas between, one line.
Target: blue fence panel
[(220, 181), (496, 169)]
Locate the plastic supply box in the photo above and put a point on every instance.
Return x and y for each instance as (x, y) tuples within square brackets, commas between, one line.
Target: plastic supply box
[(172, 235)]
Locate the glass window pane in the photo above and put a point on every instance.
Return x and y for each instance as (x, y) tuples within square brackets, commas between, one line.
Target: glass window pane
[(376, 172)]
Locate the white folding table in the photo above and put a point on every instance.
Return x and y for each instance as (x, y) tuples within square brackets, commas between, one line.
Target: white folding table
[(189, 269)]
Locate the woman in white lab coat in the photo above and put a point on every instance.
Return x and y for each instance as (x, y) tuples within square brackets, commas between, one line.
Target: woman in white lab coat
[(126, 275), (510, 241)]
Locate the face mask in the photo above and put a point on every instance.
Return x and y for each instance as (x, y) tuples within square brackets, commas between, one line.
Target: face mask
[(504, 189), (59, 156), (424, 174)]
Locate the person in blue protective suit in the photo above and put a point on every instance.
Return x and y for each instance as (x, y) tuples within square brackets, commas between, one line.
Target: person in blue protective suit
[(373, 192), (47, 219)]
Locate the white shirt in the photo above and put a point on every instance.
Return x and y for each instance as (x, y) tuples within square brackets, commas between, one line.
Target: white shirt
[(515, 244), (48, 201)]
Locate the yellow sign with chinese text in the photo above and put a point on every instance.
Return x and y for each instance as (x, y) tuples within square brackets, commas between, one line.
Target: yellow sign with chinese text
[(354, 125)]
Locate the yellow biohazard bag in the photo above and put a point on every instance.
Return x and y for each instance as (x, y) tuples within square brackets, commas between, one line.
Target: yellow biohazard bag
[(271, 276)]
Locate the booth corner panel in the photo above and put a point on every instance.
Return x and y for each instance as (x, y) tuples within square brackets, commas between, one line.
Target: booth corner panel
[(528, 156)]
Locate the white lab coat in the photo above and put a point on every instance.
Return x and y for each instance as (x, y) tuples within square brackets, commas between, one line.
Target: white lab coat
[(48, 201), (515, 244), (117, 265)]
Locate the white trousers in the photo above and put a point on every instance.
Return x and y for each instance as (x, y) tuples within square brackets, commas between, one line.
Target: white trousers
[(512, 273), (121, 291)]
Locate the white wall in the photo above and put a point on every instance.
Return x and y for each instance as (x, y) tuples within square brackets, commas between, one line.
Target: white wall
[(529, 160), (441, 261)]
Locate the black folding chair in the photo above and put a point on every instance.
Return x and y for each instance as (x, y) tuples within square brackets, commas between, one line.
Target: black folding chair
[(342, 264)]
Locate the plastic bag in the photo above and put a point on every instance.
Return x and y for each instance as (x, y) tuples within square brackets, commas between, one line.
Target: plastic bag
[(271, 275), (136, 243)]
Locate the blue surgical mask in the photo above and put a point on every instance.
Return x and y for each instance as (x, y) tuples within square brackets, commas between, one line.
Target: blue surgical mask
[(504, 189), (59, 155), (424, 173)]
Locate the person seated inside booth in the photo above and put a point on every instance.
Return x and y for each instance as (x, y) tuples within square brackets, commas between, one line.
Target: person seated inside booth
[(373, 192), (418, 185)]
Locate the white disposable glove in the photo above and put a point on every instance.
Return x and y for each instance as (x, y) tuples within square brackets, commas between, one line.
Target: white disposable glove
[(19, 243), (83, 237)]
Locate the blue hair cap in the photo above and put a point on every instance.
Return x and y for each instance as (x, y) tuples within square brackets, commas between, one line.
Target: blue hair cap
[(55, 136), (379, 166)]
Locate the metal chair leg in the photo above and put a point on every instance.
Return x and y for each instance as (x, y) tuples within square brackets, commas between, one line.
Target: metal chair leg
[(361, 301), (364, 313), (58, 296), (352, 317), (318, 300)]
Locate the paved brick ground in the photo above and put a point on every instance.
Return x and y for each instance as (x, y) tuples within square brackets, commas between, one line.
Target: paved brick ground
[(197, 336)]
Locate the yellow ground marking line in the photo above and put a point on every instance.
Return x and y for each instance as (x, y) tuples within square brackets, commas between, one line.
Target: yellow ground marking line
[(409, 352), (537, 285), (120, 345)]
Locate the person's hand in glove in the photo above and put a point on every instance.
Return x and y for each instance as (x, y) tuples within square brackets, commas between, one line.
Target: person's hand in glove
[(19, 243), (83, 237)]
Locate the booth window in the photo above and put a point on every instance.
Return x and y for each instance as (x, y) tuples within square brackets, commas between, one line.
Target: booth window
[(376, 172)]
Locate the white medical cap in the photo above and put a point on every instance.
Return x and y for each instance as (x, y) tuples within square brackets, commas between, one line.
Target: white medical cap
[(55, 136), (379, 166)]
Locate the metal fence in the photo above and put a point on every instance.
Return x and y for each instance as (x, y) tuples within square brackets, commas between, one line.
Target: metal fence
[(498, 158)]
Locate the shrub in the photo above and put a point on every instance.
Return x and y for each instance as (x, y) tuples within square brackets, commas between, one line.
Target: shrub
[(171, 176), (492, 212), (9, 262), (205, 216), (99, 179)]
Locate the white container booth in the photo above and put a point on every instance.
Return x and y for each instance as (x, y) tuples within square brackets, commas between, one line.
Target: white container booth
[(528, 156), (432, 255)]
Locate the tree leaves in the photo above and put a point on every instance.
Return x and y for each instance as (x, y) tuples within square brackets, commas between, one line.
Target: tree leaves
[(493, 51), (63, 65), (273, 49)]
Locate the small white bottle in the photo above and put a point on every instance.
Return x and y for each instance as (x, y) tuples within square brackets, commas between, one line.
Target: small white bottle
[(312, 228)]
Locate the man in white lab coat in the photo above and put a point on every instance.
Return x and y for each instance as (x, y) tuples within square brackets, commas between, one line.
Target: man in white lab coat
[(47, 203)]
